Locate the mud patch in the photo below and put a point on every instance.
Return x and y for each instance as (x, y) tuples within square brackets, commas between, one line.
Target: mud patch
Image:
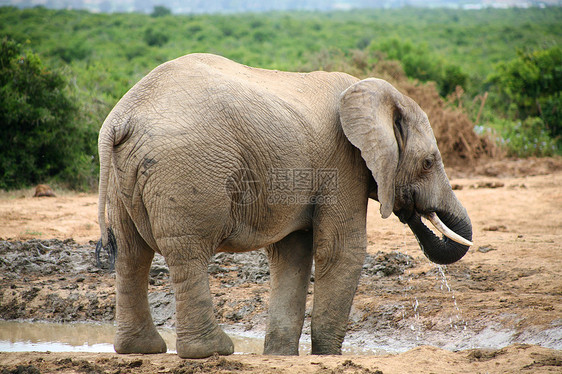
[(20, 369), (347, 366), (46, 257), (59, 281), (397, 305), (386, 264)]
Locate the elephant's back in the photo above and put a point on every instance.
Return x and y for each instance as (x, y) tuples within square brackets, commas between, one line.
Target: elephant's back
[(204, 98), (199, 82)]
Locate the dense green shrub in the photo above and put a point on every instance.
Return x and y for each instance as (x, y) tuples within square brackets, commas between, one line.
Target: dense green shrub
[(531, 86), (525, 138), (155, 37), (40, 138), (551, 113), (76, 50)]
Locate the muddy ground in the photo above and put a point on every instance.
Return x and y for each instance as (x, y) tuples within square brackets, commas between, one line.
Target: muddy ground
[(497, 310)]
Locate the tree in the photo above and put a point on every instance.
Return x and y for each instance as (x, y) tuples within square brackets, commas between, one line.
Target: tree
[(39, 138), (160, 10)]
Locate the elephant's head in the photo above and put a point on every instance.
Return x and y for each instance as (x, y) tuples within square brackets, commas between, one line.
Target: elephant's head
[(398, 146)]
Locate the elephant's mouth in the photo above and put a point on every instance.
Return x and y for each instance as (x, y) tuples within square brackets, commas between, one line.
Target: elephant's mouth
[(457, 234), (410, 215), (443, 229)]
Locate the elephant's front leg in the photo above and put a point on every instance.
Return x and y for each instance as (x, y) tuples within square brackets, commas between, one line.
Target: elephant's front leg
[(290, 261), (339, 257), (198, 334)]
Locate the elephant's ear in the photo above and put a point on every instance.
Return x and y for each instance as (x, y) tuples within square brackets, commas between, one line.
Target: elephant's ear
[(368, 110)]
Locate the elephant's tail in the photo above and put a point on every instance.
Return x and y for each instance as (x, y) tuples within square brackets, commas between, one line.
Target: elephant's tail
[(105, 150), (106, 142), (111, 250)]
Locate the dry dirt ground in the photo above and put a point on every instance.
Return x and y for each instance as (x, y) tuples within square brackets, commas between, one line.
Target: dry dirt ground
[(498, 310)]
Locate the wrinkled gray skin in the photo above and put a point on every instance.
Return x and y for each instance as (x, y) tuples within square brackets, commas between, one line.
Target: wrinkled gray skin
[(192, 163)]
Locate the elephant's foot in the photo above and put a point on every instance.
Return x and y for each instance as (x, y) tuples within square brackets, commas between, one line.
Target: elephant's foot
[(281, 350), (277, 343), (327, 343), (206, 345), (326, 347), (147, 340)]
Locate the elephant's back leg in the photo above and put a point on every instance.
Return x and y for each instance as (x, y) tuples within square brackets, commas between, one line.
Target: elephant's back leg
[(136, 332), (188, 216), (198, 333)]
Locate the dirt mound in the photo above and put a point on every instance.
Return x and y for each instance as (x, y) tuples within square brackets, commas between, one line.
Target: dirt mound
[(454, 132), (385, 264), (520, 167)]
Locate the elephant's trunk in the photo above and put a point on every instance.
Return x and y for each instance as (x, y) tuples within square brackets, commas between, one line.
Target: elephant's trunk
[(442, 250)]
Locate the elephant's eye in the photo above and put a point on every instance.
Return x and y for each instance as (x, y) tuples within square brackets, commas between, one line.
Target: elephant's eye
[(427, 163)]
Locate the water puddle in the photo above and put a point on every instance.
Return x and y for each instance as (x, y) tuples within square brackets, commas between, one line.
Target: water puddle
[(94, 337), (55, 337), (87, 337)]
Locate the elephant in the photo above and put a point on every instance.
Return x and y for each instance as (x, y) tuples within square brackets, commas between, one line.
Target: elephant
[(205, 155)]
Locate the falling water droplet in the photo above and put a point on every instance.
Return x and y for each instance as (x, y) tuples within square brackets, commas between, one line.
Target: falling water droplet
[(404, 235), (444, 281), (458, 313), (415, 326)]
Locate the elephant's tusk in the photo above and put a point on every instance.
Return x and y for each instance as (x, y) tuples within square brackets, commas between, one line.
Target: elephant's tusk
[(432, 217)]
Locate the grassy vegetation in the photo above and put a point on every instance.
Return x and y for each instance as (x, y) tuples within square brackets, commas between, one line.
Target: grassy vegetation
[(101, 56)]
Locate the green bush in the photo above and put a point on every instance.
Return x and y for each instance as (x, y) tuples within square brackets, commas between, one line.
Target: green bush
[(530, 86), (76, 50), (155, 38), (525, 138), (551, 113), (40, 139)]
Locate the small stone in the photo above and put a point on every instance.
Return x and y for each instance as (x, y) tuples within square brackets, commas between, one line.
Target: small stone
[(486, 248)]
